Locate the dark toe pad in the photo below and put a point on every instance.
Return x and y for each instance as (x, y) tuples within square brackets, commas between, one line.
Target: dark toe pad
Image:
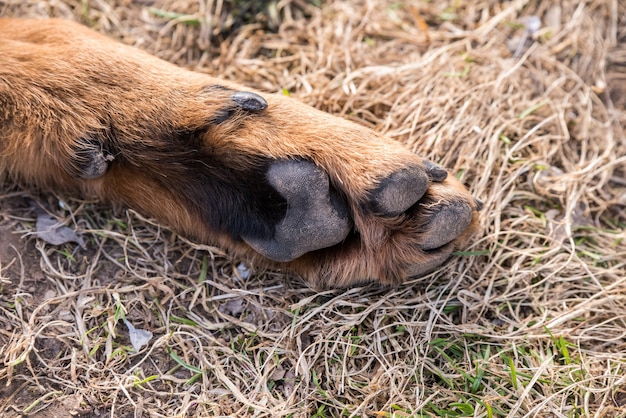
[(447, 223), (435, 259), (316, 217), (398, 192)]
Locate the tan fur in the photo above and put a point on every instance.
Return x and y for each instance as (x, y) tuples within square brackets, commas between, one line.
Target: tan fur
[(60, 81)]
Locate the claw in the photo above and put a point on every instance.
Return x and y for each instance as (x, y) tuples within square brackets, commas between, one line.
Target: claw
[(435, 172)]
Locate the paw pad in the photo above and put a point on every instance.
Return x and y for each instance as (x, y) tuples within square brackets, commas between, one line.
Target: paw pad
[(447, 223), (250, 102), (398, 192), (90, 160), (316, 217)]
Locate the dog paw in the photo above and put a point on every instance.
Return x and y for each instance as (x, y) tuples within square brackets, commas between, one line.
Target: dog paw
[(408, 224), (358, 206), (289, 186), (270, 178)]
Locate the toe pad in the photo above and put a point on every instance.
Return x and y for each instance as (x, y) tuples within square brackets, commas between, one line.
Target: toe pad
[(447, 223), (398, 192)]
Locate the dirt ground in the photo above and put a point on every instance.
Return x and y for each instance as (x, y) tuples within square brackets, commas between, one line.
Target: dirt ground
[(525, 100)]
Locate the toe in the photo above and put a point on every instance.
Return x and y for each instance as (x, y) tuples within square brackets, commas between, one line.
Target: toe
[(433, 260), (401, 190), (447, 223)]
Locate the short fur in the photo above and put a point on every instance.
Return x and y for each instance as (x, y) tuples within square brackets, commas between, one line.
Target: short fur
[(82, 114)]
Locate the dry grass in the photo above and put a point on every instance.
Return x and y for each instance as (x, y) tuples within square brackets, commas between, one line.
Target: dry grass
[(531, 321)]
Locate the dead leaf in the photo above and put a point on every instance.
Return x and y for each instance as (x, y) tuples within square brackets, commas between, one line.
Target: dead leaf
[(138, 337), (51, 231)]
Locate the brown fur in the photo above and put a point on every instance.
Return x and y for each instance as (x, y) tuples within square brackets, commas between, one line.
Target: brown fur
[(64, 87)]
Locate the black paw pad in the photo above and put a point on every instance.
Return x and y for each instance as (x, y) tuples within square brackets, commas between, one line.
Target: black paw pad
[(398, 192), (241, 101), (447, 223), (91, 161), (250, 102), (316, 216)]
